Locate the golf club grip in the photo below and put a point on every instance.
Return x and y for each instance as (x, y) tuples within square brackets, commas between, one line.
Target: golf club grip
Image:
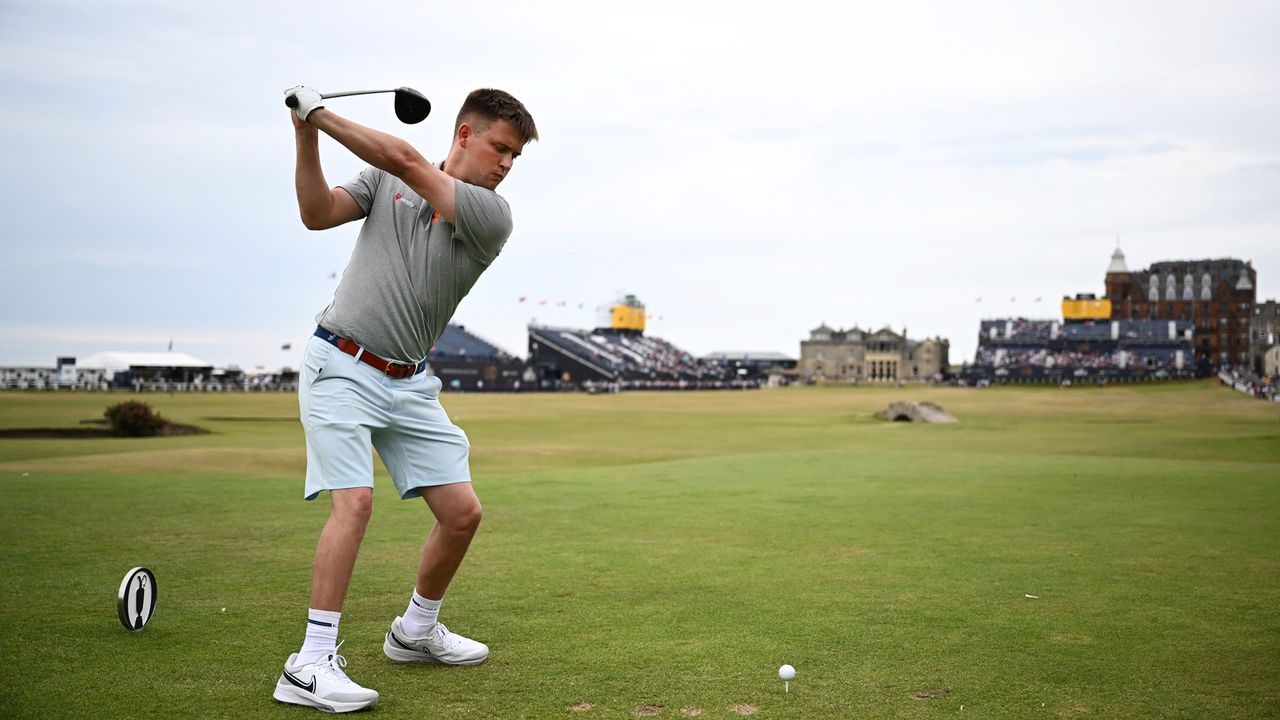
[(291, 101)]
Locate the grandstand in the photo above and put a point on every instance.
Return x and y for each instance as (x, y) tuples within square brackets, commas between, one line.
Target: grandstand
[(1025, 350), (457, 341), (567, 357), (465, 361), (621, 356)]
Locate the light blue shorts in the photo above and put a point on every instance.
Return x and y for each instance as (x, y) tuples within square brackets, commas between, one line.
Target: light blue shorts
[(349, 408)]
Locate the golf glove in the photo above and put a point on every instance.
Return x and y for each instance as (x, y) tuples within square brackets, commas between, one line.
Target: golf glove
[(308, 100)]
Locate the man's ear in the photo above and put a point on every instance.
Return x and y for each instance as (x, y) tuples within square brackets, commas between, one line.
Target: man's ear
[(465, 132)]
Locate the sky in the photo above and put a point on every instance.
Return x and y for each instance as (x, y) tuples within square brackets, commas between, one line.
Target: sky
[(749, 170)]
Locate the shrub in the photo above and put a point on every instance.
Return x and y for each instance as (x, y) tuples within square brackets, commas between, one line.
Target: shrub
[(134, 419)]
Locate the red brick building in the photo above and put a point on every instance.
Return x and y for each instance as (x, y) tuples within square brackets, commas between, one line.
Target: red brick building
[(1217, 296)]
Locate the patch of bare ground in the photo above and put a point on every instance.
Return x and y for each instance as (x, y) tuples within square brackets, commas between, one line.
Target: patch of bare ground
[(75, 433), (647, 710), (745, 709), (932, 694), (691, 711), (582, 707), (1075, 710), (176, 461)]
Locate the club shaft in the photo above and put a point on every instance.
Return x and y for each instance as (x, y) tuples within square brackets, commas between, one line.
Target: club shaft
[(345, 93)]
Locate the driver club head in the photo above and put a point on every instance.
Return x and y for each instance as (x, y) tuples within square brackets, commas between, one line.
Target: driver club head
[(412, 107)]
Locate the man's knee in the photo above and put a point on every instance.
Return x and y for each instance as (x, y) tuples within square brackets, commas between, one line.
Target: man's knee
[(353, 506), (466, 518)]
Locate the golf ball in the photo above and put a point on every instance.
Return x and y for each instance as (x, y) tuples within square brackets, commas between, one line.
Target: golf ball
[(787, 673)]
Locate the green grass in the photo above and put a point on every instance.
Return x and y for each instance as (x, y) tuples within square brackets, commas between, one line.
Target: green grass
[(673, 550)]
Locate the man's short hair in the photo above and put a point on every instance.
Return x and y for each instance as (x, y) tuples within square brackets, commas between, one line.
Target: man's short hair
[(486, 105)]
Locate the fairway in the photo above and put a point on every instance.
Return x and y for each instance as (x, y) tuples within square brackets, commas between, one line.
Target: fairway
[(1083, 553)]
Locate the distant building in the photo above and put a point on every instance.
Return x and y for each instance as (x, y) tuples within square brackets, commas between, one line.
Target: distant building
[(460, 358), (465, 361), (135, 369), (1216, 296), (102, 371), (62, 377), (770, 366), (857, 356), (1264, 334)]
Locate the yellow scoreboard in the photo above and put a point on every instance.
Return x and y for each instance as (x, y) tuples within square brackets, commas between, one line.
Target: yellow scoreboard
[(627, 317), (1086, 309)]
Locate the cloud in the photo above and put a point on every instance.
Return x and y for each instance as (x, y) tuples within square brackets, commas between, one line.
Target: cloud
[(1159, 147)]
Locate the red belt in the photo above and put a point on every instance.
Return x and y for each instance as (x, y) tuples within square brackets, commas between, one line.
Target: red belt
[(391, 368)]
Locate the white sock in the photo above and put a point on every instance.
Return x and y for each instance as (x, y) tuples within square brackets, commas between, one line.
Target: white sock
[(420, 616), (322, 636)]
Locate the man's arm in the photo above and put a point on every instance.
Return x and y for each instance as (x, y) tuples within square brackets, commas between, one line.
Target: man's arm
[(321, 206), (393, 155)]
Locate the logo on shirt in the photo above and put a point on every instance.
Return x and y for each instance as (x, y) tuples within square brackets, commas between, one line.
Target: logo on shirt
[(402, 199)]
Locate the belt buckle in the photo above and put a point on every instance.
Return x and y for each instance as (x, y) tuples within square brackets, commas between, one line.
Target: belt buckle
[(396, 364)]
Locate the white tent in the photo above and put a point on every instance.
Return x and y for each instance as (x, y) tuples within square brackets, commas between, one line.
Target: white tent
[(115, 361)]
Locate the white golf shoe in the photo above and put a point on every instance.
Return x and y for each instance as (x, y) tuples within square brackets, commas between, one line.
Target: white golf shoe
[(439, 646), (323, 686)]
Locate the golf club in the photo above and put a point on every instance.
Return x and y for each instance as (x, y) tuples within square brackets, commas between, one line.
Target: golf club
[(411, 106)]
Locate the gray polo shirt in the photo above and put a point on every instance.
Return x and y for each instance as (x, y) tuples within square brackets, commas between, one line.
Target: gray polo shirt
[(410, 267)]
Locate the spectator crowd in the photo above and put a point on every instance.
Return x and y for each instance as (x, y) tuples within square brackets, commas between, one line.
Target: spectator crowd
[(635, 361)]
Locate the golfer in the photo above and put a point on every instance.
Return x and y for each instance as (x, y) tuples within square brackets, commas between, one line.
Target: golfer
[(429, 231)]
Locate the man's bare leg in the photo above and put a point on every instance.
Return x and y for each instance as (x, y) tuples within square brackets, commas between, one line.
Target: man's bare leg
[(457, 511), (417, 636), (338, 546), (313, 677)]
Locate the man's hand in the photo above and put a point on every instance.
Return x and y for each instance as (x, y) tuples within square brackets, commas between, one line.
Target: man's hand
[(307, 100)]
